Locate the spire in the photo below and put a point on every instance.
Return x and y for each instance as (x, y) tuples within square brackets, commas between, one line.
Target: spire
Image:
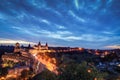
[(39, 44), (29, 46), (46, 44)]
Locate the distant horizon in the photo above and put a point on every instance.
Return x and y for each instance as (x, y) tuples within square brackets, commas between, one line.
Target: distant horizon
[(25, 43)]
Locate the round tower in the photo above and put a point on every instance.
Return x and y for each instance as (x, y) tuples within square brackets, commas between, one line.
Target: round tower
[(17, 48)]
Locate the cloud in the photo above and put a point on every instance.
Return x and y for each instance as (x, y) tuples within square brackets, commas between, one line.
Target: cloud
[(76, 4), (45, 21), (107, 32), (9, 41), (54, 11), (57, 34), (69, 36), (113, 47), (49, 23), (76, 17), (17, 28), (72, 38), (94, 38), (38, 4), (60, 26), (64, 32), (29, 31)]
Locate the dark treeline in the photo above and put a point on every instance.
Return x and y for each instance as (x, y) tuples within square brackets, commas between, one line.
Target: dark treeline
[(4, 49)]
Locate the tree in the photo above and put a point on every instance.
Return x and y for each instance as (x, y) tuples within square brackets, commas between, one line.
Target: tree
[(25, 74), (45, 75), (81, 71), (4, 71)]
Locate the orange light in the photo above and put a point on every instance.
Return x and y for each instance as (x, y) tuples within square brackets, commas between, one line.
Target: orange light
[(89, 71), (2, 78), (80, 49), (95, 78)]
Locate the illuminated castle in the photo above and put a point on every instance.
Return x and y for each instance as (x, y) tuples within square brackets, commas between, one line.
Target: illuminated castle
[(41, 47)]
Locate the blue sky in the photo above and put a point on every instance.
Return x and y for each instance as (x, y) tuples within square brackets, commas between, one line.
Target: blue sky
[(81, 23)]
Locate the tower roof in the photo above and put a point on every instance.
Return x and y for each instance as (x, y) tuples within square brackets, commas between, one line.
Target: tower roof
[(17, 44), (39, 44), (46, 44)]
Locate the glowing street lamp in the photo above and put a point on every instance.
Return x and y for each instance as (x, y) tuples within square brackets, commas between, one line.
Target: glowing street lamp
[(89, 71)]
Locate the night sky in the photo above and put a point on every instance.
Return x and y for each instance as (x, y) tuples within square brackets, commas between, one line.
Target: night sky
[(75, 23)]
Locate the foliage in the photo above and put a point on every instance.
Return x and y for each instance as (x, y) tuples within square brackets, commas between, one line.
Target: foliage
[(81, 71), (24, 73), (45, 75), (3, 71)]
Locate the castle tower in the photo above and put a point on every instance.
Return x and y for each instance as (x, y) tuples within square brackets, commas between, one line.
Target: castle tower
[(29, 46), (17, 48), (46, 46), (39, 45)]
